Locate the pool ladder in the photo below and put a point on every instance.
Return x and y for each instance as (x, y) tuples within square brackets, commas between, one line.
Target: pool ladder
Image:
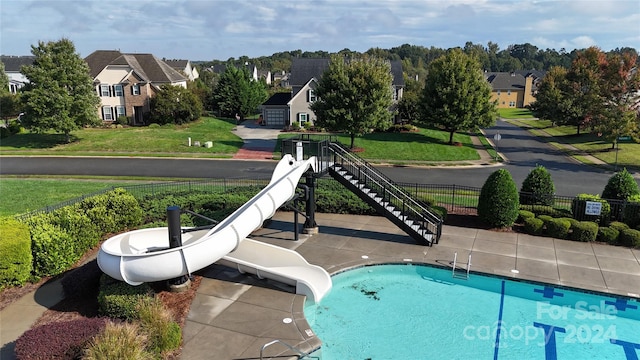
[(464, 276), (301, 354)]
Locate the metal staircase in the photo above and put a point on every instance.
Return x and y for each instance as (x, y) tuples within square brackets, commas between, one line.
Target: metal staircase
[(381, 193)]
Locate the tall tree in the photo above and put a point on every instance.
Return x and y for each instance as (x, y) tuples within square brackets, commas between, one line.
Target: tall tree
[(456, 95), (9, 103), (60, 95), (554, 101), (237, 94), (354, 96), (175, 104), (4, 80)]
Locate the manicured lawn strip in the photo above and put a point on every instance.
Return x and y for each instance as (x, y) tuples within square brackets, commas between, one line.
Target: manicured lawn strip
[(136, 141), (425, 145), (24, 195), (487, 145), (513, 113)]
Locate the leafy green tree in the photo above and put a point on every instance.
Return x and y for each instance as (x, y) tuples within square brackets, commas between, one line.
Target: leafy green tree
[(620, 186), (538, 187), (409, 105), (175, 104), (498, 202), (60, 95), (354, 96), (4, 80), (9, 103), (456, 95), (553, 101), (237, 93)]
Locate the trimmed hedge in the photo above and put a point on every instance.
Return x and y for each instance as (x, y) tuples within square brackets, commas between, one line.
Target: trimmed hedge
[(112, 211), (546, 210), (608, 235), (118, 299), (52, 247), (58, 340), (533, 226), (584, 231), (524, 214), (631, 212), (630, 238), (537, 187), (618, 225), (16, 262), (558, 228), (620, 186)]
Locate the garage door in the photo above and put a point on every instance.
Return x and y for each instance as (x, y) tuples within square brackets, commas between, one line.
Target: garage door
[(275, 117)]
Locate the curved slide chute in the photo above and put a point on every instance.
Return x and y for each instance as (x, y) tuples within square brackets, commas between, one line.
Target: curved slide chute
[(143, 255)]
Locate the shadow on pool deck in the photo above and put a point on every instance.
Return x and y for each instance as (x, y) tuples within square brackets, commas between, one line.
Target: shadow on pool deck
[(234, 315)]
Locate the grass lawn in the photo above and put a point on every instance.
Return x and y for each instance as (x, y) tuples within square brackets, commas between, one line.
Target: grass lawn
[(166, 140), (426, 145), (628, 152), (20, 195), (514, 113)]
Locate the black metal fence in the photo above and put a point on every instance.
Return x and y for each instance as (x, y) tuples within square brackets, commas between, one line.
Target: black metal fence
[(455, 198)]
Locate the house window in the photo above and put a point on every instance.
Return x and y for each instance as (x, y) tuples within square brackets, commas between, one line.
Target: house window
[(498, 92), (508, 92), (117, 89), (104, 90), (135, 89), (107, 115), (312, 96), (303, 118), (512, 104), (120, 111)]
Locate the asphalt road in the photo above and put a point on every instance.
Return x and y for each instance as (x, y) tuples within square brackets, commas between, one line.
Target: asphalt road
[(522, 150)]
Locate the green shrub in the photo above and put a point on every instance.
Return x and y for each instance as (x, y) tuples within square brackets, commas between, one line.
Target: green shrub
[(571, 221), (533, 226), (558, 228), (545, 219), (584, 231), (113, 211), (16, 261), (52, 247), (631, 212), (498, 202), (537, 187), (439, 210), (620, 186), (79, 226), (579, 206), (122, 120), (157, 323), (118, 299), (546, 210), (608, 235), (524, 214), (630, 238), (118, 341), (83, 280), (618, 225)]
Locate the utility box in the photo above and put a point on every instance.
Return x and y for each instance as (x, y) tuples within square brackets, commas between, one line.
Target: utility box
[(208, 144)]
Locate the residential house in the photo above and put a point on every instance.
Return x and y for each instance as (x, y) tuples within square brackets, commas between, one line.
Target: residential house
[(283, 109), (12, 66), (185, 67), (515, 89), (127, 82)]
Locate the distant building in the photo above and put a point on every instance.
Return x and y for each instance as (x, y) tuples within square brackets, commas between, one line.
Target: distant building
[(282, 109), (515, 89), (127, 82), (12, 66), (185, 67)]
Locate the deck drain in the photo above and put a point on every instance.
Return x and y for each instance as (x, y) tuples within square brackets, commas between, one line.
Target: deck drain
[(287, 320), (365, 257)]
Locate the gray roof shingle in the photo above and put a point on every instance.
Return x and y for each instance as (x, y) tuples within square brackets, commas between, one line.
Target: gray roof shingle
[(14, 63), (149, 67)]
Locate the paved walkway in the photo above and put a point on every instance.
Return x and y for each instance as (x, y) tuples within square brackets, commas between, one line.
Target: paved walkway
[(234, 315)]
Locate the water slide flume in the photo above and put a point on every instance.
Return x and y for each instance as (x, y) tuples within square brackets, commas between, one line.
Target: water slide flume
[(143, 255)]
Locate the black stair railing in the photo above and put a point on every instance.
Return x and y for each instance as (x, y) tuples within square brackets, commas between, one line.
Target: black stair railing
[(414, 214)]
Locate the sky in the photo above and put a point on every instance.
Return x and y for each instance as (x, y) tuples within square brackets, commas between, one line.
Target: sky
[(204, 30)]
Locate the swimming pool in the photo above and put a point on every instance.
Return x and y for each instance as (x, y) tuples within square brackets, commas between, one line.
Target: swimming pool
[(422, 312)]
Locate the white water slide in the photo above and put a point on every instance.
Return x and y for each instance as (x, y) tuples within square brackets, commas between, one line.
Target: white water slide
[(144, 255)]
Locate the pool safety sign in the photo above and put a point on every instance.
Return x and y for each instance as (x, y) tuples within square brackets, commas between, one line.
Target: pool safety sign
[(593, 208)]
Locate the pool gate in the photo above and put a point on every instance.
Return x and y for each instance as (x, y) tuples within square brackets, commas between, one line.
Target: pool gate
[(409, 213)]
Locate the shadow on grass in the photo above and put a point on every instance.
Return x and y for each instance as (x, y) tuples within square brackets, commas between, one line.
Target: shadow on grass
[(37, 141)]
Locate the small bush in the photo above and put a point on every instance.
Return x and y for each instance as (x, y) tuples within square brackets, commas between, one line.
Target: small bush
[(533, 226), (620, 186), (608, 235), (79, 226), (630, 238), (571, 221), (157, 323), (15, 246), (122, 120), (118, 341), (558, 228), (618, 225), (524, 214), (52, 247), (58, 340), (545, 219), (631, 212), (546, 210), (537, 187), (118, 299), (498, 203), (584, 231)]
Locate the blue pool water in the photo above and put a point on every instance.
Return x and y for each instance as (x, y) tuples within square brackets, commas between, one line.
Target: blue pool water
[(422, 312)]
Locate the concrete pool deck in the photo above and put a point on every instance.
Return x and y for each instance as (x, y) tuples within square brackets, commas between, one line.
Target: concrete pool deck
[(234, 315)]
